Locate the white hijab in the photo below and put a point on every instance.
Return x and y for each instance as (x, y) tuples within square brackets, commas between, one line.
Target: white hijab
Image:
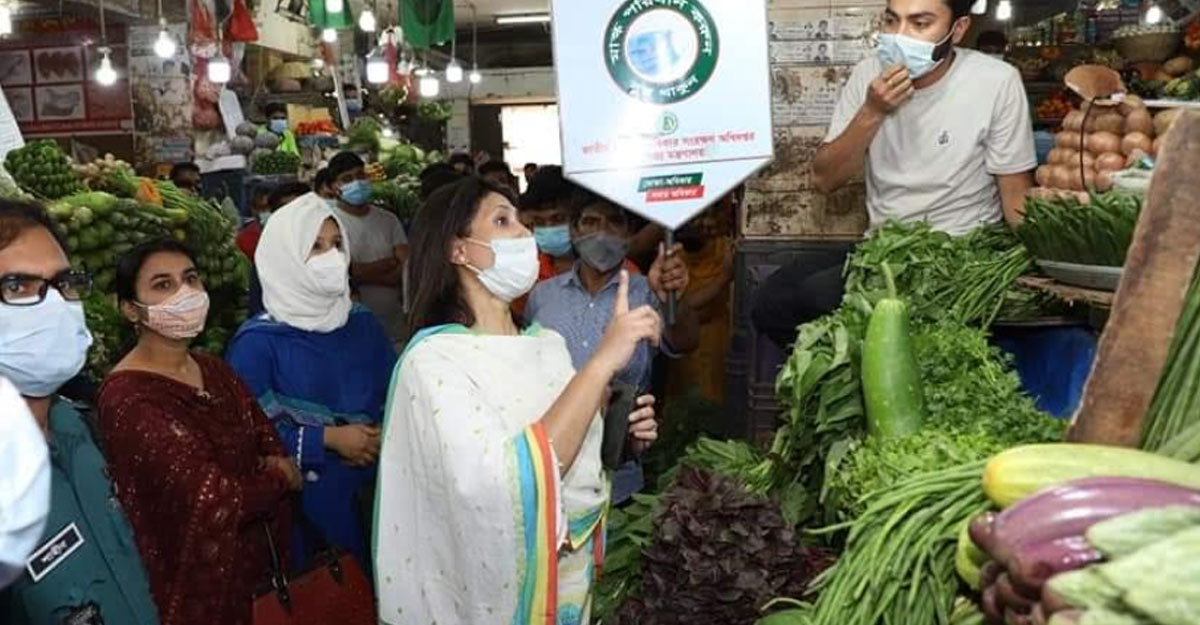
[(290, 293)]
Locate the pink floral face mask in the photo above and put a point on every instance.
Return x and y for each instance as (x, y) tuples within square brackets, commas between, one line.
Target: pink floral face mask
[(180, 316)]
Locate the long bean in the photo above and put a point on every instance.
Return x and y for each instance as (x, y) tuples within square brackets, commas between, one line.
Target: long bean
[(1064, 230), (898, 565)]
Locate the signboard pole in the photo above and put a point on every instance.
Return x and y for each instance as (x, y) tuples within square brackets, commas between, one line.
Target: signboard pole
[(671, 296)]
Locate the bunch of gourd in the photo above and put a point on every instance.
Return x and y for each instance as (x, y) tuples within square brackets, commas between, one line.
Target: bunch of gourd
[(1096, 142), (99, 228), (42, 169)]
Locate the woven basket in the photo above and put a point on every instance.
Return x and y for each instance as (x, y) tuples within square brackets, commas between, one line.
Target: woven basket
[(1154, 47)]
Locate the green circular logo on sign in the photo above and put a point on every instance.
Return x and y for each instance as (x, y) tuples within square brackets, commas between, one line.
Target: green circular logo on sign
[(668, 123), (661, 51)]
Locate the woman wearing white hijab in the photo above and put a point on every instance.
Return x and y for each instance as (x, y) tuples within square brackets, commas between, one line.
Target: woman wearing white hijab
[(320, 367)]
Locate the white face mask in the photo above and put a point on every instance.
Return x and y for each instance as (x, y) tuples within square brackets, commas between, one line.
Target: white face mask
[(515, 269), (43, 346), (915, 54), (330, 271)]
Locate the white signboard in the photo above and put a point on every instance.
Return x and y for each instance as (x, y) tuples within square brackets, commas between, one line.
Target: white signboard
[(665, 105), (10, 134)]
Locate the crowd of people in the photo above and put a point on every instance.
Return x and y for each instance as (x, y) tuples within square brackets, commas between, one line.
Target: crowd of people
[(422, 393), (431, 397)]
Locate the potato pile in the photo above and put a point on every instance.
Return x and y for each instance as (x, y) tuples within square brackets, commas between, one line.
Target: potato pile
[(1093, 146)]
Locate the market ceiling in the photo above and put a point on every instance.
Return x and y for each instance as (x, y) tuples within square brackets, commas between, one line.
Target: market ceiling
[(488, 10)]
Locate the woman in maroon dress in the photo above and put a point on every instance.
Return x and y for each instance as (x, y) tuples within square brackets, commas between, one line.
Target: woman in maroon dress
[(197, 466)]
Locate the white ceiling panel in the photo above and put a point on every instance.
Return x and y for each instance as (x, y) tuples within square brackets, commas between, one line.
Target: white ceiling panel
[(487, 10)]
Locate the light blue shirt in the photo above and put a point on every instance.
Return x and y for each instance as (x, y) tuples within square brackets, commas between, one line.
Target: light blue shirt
[(563, 304)]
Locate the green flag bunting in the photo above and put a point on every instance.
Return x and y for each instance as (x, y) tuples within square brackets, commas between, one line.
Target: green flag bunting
[(321, 18), (427, 22)]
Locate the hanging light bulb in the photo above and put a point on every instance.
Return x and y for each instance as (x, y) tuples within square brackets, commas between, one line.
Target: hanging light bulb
[(1154, 14), (475, 76), (980, 7), (377, 68), (6, 25), (335, 6), (454, 72), (164, 46), (219, 70), (1004, 10), (366, 21), (105, 74), (329, 35), (429, 86)]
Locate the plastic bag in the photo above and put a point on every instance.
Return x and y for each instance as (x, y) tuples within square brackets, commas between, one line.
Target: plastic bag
[(202, 31), (241, 24)]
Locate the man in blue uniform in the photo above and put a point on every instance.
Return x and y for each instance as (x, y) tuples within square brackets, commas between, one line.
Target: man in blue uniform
[(85, 570)]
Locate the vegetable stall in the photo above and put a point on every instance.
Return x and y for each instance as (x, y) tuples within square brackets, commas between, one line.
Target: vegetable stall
[(920, 483)]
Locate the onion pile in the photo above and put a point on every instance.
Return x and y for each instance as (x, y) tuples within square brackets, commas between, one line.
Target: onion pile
[(1095, 143)]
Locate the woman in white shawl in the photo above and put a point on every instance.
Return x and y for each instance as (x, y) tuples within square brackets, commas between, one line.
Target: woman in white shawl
[(492, 495)]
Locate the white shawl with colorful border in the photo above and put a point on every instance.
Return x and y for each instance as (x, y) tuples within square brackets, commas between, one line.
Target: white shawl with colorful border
[(472, 516)]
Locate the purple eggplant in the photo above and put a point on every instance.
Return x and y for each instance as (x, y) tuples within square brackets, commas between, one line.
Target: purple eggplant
[(1070, 509), (992, 610), (1007, 595), (989, 572), (1033, 565), (981, 531)]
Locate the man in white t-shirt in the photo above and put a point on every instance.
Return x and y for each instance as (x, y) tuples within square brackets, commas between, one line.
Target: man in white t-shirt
[(940, 134), (378, 245)]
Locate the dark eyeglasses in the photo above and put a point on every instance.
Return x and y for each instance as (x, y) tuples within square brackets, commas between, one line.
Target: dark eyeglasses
[(22, 290)]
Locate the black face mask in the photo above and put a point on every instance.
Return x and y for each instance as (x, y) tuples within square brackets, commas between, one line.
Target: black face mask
[(943, 49)]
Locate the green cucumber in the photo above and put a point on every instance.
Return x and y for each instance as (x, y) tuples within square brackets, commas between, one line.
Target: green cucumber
[(891, 380)]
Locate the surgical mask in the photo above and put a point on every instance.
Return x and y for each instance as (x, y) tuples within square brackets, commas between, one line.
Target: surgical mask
[(179, 317), (515, 269), (554, 240), (43, 346), (278, 126), (25, 500), (920, 57), (356, 193), (602, 251), (330, 271)]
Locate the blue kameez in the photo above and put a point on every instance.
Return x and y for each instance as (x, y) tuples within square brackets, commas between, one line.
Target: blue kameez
[(305, 382)]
